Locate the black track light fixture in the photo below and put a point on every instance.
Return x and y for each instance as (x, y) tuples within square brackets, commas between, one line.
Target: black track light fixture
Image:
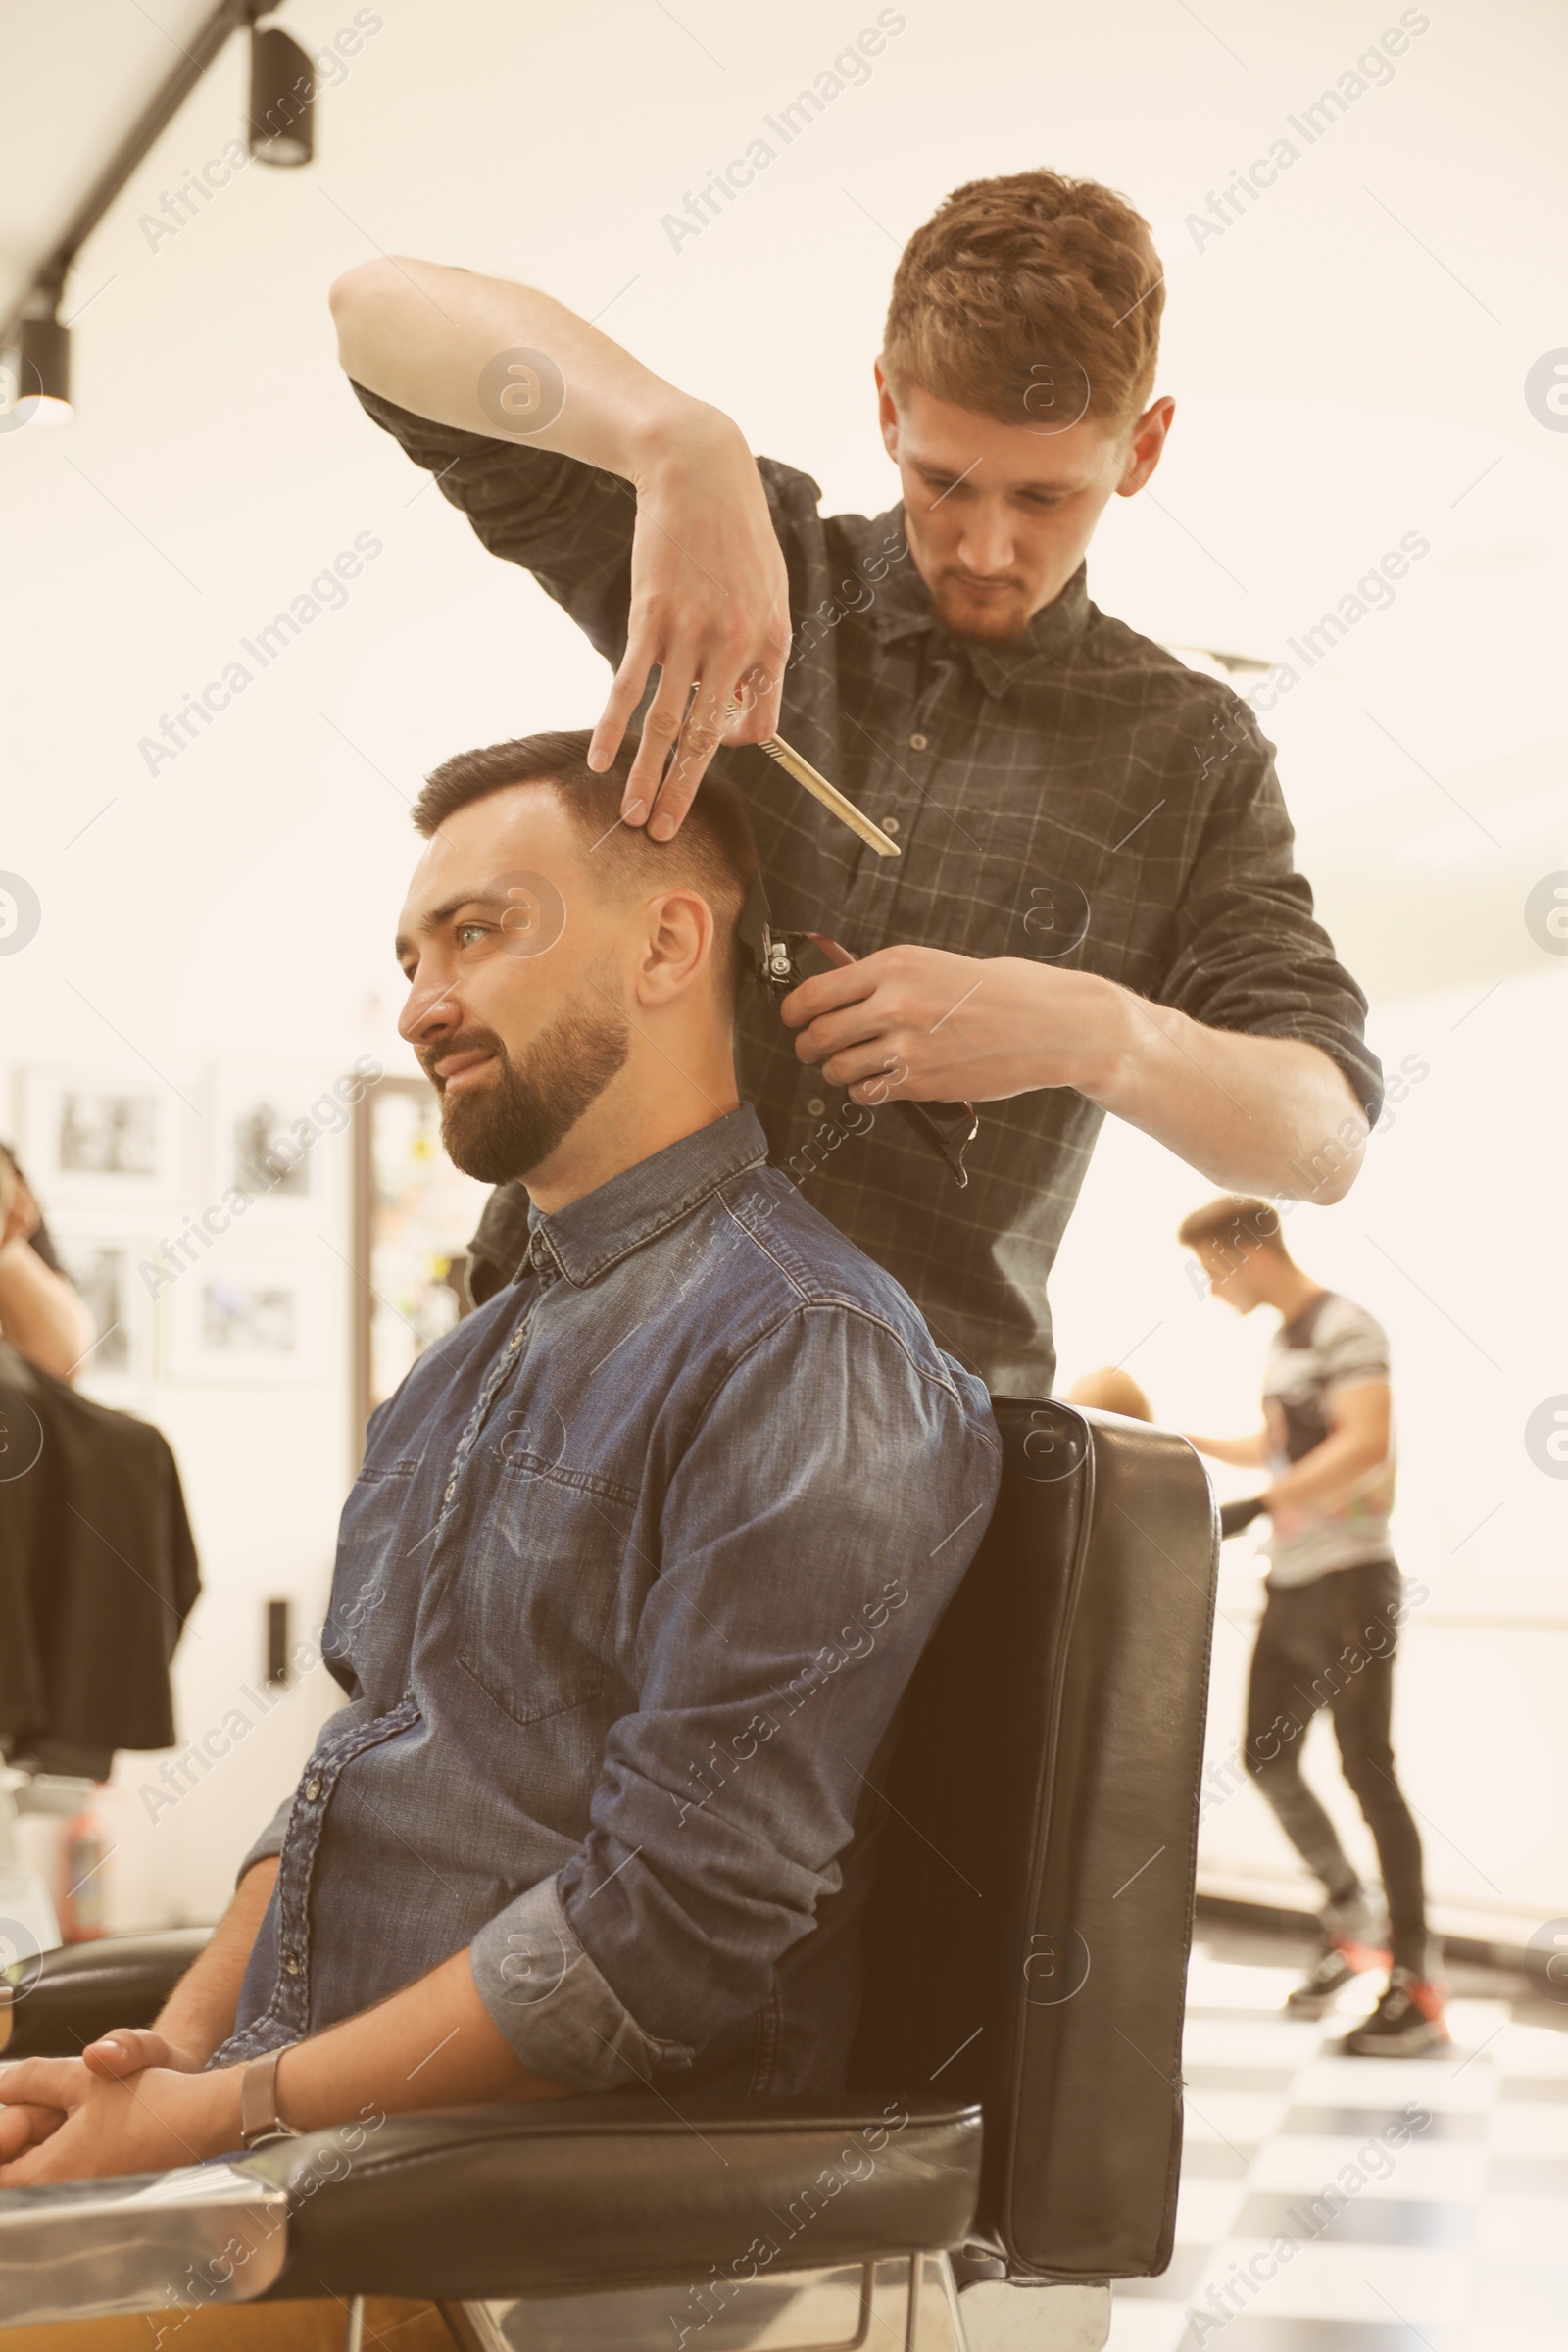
[(44, 372), (34, 347), (281, 126)]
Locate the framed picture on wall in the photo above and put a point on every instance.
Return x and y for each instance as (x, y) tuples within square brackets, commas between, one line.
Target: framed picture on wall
[(247, 1316), (103, 1261), (270, 1134), (107, 1141)]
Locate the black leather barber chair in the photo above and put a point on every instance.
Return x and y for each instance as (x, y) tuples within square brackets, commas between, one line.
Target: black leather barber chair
[(1014, 2117)]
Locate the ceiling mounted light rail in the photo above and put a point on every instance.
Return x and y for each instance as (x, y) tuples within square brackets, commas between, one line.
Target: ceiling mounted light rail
[(280, 128)]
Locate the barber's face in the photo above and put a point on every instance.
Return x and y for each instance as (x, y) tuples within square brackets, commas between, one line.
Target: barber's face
[(998, 515), (515, 1007), (1230, 1278)]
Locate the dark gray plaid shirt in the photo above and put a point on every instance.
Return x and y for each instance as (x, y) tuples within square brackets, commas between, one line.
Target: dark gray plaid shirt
[(1078, 795)]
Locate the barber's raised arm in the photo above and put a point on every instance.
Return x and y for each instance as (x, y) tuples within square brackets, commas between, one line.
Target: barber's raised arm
[(709, 598)]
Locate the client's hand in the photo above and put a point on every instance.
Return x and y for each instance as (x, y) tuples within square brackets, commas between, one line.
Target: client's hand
[(125, 2049), (59, 2120)]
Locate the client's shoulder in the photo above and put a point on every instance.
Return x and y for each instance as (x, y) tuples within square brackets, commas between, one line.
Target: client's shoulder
[(789, 1264)]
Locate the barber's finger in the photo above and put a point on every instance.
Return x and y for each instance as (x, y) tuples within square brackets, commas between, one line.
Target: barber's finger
[(126, 2051), (757, 694), (625, 693), (660, 732), (700, 738), (880, 1057), (826, 992)]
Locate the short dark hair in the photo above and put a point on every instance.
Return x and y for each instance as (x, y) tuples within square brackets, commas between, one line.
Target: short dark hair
[(1237, 1223), (713, 852)]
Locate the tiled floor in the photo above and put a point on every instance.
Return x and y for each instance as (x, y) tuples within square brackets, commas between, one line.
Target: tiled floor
[(1448, 2221)]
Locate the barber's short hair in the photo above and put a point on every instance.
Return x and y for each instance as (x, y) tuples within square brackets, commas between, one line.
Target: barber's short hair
[(1235, 1223), (713, 852), (1028, 291)]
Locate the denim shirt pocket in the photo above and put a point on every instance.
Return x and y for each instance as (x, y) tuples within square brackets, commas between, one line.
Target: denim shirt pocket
[(536, 1597)]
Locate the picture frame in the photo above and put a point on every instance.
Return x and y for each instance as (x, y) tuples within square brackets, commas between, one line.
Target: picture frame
[(103, 1259), (268, 1126), (247, 1316), (105, 1140)]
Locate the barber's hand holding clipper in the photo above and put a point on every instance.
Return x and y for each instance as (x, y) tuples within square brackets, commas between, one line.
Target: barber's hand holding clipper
[(923, 1026)]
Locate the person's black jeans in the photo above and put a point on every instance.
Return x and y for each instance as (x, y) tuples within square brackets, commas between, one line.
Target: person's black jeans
[(1330, 1643)]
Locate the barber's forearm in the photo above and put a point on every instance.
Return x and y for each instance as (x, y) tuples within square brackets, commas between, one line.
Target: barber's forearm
[(1262, 1115), (1243, 1453), (198, 2016), (422, 334)]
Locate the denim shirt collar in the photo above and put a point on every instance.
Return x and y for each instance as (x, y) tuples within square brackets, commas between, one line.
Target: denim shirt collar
[(605, 1225)]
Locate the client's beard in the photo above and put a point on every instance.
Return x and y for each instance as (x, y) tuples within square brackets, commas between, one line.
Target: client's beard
[(512, 1126)]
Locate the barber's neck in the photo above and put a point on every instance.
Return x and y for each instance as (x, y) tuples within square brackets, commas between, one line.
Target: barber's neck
[(674, 1080), (1286, 1288)]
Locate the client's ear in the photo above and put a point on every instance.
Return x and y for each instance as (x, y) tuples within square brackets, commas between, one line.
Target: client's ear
[(677, 945)]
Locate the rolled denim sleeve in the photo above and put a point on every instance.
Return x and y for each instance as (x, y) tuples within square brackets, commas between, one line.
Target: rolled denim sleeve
[(794, 1599)]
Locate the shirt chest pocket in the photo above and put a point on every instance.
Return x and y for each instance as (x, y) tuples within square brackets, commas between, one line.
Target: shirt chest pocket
[(537, 1594)]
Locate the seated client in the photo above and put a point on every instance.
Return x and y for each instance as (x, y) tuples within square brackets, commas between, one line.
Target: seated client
[(628, 1589)]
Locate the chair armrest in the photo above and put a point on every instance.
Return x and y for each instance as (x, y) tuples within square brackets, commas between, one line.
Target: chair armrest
[(548, 2197), (562, 2196), (54, 2005)]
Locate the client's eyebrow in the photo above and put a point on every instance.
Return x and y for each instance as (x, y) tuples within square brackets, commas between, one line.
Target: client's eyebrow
[(437, 916)]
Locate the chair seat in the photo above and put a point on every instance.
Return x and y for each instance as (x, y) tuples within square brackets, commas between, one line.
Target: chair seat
[(559, 2196)]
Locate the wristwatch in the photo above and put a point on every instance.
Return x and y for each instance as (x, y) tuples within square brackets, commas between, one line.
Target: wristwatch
[(259, 2118)]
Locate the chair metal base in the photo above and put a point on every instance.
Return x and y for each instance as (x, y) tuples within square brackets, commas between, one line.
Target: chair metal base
[(910, 2299)]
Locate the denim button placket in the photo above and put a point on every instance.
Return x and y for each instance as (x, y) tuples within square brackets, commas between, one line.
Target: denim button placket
[(292, 2004), (505, 1365)]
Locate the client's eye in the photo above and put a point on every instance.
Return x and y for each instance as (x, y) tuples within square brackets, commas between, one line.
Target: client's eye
[(471, 931)]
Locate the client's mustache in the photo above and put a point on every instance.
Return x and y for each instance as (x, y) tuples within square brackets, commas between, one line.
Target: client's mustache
[(468, 1041)]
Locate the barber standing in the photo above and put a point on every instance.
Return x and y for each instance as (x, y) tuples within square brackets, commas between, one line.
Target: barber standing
[(1096, 907)]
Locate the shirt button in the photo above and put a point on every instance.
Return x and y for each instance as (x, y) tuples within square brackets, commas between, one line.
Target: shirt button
[(452, 1488), (291, 1966), (917, 743), (890, 825), (816, 1107), (313, 1790)]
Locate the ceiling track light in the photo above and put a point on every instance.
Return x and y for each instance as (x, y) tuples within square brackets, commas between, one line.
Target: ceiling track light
[(281, 123), (280, 128), (44, 372)]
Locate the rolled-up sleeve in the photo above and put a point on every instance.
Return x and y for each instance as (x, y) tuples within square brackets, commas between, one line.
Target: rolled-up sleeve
[(812, 1535), (1251, 955)]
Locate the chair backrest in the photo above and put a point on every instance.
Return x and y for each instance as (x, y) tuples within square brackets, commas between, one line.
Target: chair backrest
[(1027, 1938)]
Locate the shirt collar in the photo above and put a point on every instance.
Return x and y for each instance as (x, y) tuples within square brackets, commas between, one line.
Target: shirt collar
[(588, 1235), (903, 610)]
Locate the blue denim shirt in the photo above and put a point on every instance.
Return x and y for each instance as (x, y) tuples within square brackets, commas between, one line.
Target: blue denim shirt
[(627, 1593)]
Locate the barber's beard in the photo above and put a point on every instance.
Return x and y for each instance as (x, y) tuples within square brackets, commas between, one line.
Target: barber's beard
[(511, 1123), (997, 621)]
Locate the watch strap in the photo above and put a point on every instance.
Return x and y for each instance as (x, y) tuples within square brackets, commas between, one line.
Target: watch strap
[(259, 2118)]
